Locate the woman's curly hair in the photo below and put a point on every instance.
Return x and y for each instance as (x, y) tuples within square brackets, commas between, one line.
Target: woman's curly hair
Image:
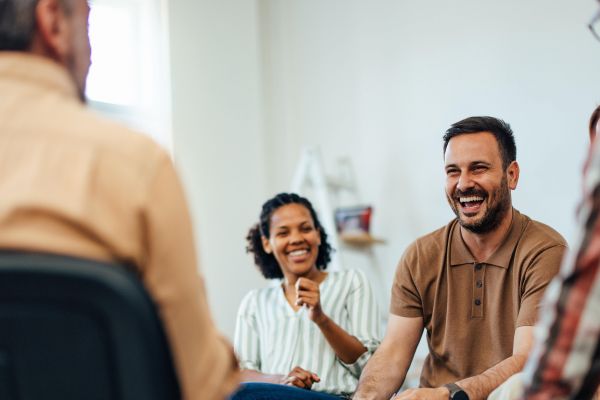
[(266, 263)]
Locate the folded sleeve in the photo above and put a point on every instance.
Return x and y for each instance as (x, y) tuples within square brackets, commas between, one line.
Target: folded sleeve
[(365, 321), (405, 299), (539, 274), (246, 338)]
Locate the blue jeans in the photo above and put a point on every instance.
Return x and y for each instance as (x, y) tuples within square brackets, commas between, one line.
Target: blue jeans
[(271, 391)]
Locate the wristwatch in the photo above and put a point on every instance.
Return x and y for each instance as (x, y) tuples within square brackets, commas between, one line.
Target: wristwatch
[(456, 392)]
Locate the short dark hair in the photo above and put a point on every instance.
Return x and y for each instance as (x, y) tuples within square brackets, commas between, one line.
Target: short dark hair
[(266, 263), (497, 127), (17, 23)]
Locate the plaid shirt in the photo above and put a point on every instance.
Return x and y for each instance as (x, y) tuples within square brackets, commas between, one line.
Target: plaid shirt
[(565, 363)]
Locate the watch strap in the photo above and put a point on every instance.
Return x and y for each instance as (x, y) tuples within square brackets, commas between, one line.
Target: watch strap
[(453, 388)]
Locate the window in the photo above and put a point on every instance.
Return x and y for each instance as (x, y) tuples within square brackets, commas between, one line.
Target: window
[(129, 76)]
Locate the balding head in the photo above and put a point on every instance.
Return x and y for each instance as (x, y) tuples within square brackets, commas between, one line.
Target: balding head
[(55, 29)]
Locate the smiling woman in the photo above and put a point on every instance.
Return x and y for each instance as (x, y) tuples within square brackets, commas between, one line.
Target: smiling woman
[(317, 329)]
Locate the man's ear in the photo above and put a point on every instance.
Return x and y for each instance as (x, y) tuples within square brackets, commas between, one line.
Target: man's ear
[(512, 175), (52, 30), (266, 245)]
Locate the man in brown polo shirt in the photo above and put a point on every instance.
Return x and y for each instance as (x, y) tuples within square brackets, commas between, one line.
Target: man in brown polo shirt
[(474, 285)]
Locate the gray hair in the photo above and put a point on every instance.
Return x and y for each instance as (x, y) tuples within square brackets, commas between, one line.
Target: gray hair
[(17, 23)]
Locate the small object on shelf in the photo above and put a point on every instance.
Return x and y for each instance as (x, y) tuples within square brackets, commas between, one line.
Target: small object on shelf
[(353, 220), (353, 224)]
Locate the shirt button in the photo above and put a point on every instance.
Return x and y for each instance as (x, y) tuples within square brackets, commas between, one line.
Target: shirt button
[(477, 302), (479, 284), (478, 266)]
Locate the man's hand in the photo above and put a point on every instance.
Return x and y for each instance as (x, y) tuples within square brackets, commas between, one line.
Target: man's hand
[(300, 378), (308, 294), (386, 370), (440, 393)]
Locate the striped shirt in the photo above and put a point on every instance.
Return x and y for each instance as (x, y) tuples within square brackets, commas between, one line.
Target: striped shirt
[(272, 338)]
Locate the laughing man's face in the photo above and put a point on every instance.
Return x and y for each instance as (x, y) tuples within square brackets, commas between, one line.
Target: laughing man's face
[(477, 186)]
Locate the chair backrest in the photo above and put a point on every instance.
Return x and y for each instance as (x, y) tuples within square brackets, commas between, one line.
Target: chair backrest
[(79, 329)]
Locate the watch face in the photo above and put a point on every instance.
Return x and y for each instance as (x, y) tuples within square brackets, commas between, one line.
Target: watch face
[(460, 395)]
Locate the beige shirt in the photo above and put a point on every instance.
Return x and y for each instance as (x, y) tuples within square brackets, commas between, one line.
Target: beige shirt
[(73, 183), (471, 310)]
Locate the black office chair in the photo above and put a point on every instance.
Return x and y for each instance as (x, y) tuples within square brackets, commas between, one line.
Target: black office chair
[(73, 329)]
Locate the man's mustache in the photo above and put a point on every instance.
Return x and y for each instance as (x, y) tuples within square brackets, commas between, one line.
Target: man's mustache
[(469, 192)]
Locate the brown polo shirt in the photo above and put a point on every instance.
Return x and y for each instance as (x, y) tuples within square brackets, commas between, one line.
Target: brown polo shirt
[(471, 310)]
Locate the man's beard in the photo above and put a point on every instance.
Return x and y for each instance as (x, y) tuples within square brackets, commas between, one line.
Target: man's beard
[(494, 214)]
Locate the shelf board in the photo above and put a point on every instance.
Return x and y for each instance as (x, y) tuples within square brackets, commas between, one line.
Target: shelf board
[(360, 239)]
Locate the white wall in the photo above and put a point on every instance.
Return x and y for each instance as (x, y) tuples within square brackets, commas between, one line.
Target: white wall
[(378, 81), (218, 142)]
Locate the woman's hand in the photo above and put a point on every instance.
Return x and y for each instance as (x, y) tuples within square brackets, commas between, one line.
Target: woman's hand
[(300, 378), (308, 294)]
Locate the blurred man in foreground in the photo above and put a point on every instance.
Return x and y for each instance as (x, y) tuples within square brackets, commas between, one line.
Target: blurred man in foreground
[(75, 184)]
